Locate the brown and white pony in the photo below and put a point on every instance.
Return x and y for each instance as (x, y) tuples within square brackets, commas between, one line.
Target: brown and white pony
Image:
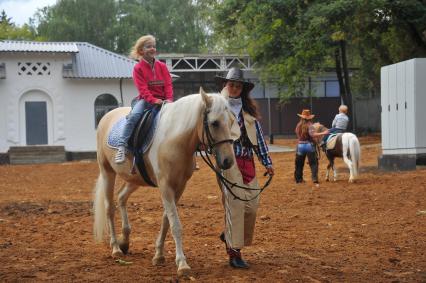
[(182, 125), (347, 147)]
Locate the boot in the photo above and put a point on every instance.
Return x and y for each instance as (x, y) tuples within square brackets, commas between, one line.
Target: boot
[(236, 260), (298, 172), (313, 163), (222, 238), (120, 156)]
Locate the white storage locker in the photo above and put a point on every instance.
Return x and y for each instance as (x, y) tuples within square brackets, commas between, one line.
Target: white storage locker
[(403, 101), (420, 104)]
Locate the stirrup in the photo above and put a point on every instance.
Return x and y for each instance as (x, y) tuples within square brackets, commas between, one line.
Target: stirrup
[(120, 156)]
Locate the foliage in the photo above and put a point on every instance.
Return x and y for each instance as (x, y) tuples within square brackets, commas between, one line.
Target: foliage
[(78, 20), (116, 25), (8, 30), (292, 40), (386, 32)]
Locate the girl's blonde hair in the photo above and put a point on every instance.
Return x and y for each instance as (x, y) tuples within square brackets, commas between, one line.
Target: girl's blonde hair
[(136, 51)]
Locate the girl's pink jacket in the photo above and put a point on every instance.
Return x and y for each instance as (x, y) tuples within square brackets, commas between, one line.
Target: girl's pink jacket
[(153, 83)]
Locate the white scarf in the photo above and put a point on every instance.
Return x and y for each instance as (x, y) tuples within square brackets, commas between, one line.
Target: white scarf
[(236, 105)]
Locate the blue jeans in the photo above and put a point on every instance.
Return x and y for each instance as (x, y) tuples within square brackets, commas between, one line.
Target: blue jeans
[(304, 148), (331, 131), (336, 131), (132, 119)]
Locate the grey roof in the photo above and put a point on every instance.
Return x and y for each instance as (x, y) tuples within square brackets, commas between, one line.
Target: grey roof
[(95, 62), (88, 60), (35, 46)]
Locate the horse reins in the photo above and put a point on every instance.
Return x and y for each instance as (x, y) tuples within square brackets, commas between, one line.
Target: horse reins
[(209, 150), (210, 141)]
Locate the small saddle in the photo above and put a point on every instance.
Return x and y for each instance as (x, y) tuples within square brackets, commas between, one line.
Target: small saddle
[(140, 140), (331, 141), (141, 131), (142, 135)]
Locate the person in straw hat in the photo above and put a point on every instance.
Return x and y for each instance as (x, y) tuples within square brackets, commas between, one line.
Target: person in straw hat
[(305, 146), (240, 216)]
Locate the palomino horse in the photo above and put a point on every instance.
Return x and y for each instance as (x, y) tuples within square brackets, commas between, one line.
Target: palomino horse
[(346, 147), (182, 125)]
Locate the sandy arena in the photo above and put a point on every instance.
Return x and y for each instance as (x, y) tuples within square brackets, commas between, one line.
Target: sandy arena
[(370, 231)]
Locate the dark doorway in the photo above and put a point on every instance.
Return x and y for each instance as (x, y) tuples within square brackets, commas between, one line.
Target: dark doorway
[(36, 122)]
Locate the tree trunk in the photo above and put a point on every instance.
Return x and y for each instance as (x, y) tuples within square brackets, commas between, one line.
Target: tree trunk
[(348, 94), (417, 38), (342, 73), (339, 74)]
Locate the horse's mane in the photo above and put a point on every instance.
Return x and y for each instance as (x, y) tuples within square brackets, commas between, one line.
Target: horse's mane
[(187, 110), (318, 126)]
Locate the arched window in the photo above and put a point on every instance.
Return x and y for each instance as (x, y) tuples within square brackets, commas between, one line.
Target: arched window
[(103, 104)]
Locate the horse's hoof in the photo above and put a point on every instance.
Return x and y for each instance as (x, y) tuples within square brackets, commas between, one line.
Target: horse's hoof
[(117, 253), (184, 271), (124, 246), (158, 260)]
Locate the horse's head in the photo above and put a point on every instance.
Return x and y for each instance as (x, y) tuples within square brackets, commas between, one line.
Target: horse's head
[(216, 129), (318, 128)]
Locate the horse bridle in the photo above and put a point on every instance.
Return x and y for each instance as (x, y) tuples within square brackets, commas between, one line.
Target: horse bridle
[(211, 143), (209, 150)]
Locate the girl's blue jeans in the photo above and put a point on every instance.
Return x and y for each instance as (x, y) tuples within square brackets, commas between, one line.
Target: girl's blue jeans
[(132, 119), (304, 148)]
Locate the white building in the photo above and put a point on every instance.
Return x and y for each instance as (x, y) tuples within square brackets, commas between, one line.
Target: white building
[(54, 93)]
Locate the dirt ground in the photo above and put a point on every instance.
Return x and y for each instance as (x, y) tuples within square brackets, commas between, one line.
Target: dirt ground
[(370, 231)]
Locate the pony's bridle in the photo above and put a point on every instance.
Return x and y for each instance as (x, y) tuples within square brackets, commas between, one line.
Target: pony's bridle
[(209, 150), (211, 143)]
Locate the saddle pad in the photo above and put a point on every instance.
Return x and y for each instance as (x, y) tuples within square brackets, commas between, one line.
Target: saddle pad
[(331, 141), (117, 129)]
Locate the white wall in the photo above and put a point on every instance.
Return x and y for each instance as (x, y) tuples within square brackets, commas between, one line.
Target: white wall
[(79, 101), (420, 105), (71, 118)]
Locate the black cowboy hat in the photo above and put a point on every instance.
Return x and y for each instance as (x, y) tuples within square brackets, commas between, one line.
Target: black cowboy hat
[(234, 74)]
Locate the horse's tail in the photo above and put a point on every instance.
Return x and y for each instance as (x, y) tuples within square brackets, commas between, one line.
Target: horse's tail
[(355, 151), (100, 222)]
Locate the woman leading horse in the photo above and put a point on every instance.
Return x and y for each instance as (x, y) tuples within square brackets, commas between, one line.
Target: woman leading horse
[(182, 125)]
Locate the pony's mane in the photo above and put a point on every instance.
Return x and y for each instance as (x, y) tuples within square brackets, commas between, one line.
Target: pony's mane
[(187, 109), (318, 126)]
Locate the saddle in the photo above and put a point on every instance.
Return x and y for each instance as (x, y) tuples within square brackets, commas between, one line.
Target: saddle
[(331, 141), (140, 133), (139, 138)]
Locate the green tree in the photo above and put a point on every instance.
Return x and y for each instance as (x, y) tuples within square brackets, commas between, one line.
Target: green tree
[(8, 30), (176, 24), (290, 40), (386, 32), (4, 19), (293, 40), (116, 25), (79, 20)]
